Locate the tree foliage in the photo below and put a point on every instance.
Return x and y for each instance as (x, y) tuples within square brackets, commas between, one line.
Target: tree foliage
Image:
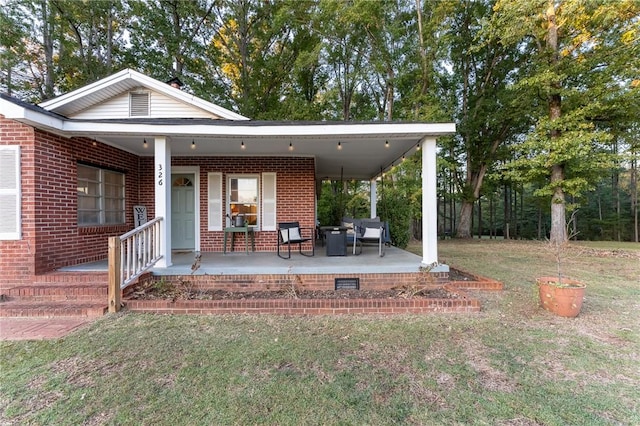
[(544, 93)]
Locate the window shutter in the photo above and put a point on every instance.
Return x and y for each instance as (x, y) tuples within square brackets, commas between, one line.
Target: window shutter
[(10, 192), (215, 201), (269, 202)]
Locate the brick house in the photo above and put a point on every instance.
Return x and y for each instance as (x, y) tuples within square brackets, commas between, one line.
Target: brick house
[(73, 168)]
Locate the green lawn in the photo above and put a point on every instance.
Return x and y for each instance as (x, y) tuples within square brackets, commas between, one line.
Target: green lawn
[(511, 364)]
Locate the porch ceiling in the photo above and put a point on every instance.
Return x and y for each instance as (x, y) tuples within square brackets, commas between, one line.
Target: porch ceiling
[(363, 155)]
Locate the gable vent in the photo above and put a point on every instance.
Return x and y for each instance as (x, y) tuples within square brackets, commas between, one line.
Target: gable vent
[(139, 104)]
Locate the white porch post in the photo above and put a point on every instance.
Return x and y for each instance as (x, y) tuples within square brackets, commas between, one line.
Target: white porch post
[(429, 202), (373, 196), (162, 180)]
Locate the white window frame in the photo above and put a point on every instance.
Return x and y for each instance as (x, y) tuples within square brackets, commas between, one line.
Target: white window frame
[(10, 192), (101, 196), (258, 195)]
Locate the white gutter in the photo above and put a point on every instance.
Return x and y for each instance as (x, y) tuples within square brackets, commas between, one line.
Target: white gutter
[(329, 130)]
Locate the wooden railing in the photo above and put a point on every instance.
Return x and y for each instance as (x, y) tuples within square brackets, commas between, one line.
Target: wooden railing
[(131, 255)]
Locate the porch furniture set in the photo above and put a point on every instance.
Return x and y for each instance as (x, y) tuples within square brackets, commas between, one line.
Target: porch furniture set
[(352, 232)]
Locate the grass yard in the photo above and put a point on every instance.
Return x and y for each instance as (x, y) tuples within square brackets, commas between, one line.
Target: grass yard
[(512, 364)]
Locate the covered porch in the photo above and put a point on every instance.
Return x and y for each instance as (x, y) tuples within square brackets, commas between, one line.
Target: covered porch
[(240, 263)]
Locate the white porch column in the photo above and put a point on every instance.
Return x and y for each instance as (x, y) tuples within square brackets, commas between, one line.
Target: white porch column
[(162, 180), (373, 197), (429, 202)]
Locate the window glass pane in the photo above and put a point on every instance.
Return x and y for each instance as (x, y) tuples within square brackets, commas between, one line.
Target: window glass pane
[(88, 218), (113, 178), (88, 173), (113, 204), (112, 191), (101, 198), (113, 217), (243, 198), (88, 203)]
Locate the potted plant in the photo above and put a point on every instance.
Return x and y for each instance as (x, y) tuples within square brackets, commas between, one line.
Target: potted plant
[(559, 294)]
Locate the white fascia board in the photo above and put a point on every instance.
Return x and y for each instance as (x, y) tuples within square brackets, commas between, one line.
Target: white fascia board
[(435, 129), (62, 100), (28, 116), (180, 95)]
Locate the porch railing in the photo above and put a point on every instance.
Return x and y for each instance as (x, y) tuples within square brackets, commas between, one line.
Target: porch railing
[(131, 255)]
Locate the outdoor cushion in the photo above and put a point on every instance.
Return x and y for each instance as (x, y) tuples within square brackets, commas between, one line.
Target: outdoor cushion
[(293, 233), (349, 226), (371, 233)]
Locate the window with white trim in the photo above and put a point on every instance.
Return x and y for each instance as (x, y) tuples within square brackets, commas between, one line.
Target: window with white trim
[(243, 198), (101, 196), (10, 226)]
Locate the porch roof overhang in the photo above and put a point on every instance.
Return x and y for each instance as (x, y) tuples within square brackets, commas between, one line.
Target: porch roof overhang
[(367, 149)]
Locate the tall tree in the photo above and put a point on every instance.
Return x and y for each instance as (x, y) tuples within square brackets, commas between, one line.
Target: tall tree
[(256, 48), (573, 46), (480, 88), (168, 38)]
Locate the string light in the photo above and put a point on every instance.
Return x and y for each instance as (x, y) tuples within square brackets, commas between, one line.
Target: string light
[(145, 145), (386, 144), (418, 147), (339, 146), (193, 144), (242, 147), (290, 146)]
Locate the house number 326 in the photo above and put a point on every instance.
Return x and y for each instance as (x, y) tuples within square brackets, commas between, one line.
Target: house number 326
[(160, 175)]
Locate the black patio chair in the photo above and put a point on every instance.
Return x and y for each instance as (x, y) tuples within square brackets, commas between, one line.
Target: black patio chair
[(291, 233), (370, 231)]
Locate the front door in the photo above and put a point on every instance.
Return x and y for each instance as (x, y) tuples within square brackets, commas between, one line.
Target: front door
[(183, 212)]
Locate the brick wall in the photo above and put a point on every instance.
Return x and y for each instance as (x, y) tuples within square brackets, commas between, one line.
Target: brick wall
[(16, 257), (51, 235), (59, 240), (295, 191)]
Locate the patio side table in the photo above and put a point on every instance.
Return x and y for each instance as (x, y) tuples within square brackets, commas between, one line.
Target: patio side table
[(336, 237), (233, 230)]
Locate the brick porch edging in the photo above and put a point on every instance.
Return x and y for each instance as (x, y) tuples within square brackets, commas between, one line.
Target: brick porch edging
[(479, 282), (308, 306)]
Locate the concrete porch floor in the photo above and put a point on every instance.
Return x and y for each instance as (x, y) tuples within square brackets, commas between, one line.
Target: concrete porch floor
[(395, 260)]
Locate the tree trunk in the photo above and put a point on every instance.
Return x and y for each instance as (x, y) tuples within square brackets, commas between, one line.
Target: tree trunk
[(479, 218), (47, 43), (466, 213), (558, 223), (634, 197), (507, 212)]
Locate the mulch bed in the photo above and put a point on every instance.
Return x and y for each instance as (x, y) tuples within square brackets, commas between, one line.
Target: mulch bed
[(164, 291), (177, 293)]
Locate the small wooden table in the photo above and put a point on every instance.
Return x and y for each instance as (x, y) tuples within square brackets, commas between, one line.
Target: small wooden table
[(233, 230)]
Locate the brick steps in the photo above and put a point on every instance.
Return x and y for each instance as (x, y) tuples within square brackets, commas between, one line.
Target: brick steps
[(57, 295), (70, 292), (20, 309)]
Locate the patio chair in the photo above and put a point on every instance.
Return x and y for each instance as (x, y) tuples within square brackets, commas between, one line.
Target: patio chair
[(370, 231), (291, 233)]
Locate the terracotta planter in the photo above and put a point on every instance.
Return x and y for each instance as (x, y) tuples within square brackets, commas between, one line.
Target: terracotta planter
[(564, 300)]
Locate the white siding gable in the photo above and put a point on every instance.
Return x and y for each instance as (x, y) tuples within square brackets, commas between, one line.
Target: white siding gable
[(161, 106)]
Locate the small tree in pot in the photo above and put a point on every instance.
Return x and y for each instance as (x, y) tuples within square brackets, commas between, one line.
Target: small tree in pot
[(559, 294)]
